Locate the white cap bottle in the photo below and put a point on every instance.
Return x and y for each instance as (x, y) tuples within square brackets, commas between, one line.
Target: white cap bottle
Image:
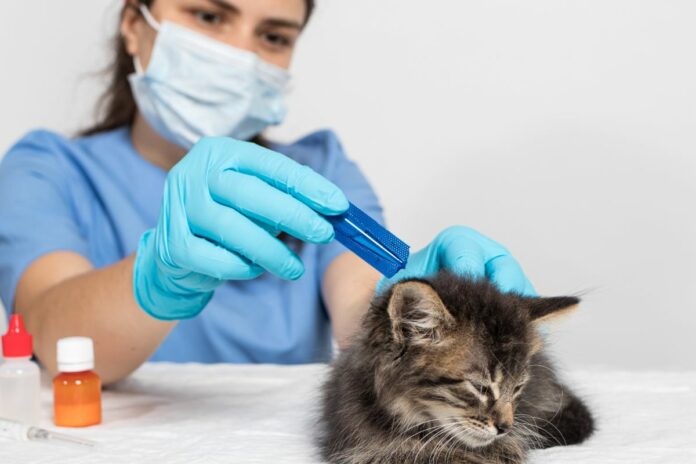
[(75, 354), (77, 389)]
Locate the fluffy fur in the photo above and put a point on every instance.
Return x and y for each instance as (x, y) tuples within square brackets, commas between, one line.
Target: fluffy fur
[(449, 370)]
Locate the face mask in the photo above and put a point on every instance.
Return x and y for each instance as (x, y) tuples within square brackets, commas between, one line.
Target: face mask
[(195, 86)]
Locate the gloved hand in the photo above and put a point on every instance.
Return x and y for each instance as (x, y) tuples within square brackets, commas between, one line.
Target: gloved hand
[(465, 252), (223, 205)]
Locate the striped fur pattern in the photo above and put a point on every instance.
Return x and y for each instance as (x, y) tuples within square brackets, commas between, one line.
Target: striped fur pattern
[(449, 370)]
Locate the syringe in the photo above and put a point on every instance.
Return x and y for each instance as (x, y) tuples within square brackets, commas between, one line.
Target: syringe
[(19, 431)]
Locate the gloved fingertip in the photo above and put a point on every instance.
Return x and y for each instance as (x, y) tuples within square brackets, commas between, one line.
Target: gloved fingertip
[(322, 233), (504, 287), (328, 238), (296, 275), (507, 274), (334, 201), (293, 270), (529, 290), (465, 267), (514, 286)]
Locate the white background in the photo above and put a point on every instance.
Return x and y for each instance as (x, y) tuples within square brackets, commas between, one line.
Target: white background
[(564, 129)]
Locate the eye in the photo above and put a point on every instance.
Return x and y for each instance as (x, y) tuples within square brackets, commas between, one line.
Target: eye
[(481, 388), (209, 18), (439, 381), (276, 40), (448, 381), (518, 389)]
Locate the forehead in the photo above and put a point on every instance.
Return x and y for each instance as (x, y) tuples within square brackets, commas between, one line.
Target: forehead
[(470, 357), (258, 9)]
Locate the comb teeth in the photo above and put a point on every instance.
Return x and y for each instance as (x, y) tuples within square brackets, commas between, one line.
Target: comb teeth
[(370, 241)]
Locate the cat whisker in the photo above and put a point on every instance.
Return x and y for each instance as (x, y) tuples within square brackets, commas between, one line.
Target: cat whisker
[(565, 443), (443, 445), (525, 432), (437, 426), (455, 435), (442, 430)]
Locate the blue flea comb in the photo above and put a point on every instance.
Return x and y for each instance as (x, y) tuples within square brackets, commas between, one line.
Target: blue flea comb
[(368, 239)]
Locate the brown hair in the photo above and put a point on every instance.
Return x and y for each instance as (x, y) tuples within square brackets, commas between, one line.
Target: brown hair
[(116, 107)]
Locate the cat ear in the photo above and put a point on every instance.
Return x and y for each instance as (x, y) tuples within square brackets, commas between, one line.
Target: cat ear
[(544, 309), (418, 315)]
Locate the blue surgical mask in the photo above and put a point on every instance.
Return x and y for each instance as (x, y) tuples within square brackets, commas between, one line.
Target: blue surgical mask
[(195, 86)]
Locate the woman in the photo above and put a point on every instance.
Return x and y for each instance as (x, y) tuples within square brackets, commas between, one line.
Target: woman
[(163, 244)]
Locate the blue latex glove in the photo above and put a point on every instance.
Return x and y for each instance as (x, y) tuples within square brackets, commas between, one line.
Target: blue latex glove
[(223, 205), (465, 252)]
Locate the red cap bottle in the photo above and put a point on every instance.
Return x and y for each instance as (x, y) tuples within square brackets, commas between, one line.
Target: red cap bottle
[(16, 343), (20, 378)]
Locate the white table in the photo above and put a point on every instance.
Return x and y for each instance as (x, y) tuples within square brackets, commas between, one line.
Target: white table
[(263, 414)]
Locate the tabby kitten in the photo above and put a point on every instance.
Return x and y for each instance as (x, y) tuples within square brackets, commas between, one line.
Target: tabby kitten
[(449, 370)]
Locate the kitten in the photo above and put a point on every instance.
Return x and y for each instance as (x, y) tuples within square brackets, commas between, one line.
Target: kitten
[(449, 370)]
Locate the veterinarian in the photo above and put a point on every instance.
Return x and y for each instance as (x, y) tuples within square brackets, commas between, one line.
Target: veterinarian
[(164, 243)]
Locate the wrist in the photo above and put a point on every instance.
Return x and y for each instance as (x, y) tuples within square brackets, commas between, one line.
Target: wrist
[(160, 290)]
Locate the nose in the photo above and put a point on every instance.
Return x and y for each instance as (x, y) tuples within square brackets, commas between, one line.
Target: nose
[(243, 42), (503, 427), (242, 37)]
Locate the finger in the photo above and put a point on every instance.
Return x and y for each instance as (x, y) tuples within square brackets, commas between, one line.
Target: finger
[(237, 233), (198, 254), (265, 204), (268, 228), (278, 170), (507, 274), (529, 289), (204, 257), (464, 257)]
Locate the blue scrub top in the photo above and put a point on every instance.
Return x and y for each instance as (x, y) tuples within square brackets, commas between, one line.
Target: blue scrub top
[(96, 195)]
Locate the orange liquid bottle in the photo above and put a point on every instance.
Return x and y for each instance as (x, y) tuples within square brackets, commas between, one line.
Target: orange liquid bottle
[(77, 389)]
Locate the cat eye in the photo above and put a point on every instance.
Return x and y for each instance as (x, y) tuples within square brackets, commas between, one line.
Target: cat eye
[(518, 389), (447, 381), (481, 388), (439, 381)]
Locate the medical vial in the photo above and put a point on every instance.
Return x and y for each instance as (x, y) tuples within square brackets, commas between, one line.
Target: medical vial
[(77, 389), (20, 378)]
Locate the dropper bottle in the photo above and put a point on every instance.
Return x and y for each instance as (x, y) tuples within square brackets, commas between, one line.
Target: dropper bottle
[(20, 378)]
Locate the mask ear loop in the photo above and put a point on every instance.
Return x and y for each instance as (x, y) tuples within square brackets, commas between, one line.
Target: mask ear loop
[(149, 19), (152, 22), (138, 67)]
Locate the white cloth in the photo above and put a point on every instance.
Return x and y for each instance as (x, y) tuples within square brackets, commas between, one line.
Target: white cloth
[(174, 413)]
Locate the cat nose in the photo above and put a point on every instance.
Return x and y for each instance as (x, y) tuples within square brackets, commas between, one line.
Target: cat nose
[(503, 428)]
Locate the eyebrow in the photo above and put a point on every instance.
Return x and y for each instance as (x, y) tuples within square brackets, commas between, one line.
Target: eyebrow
[(277, 22), (225, 5), (274, 22)]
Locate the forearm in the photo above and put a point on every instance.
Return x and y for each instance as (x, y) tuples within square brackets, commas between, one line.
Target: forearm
[(348, 287), (98, 304), (346, 323)]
